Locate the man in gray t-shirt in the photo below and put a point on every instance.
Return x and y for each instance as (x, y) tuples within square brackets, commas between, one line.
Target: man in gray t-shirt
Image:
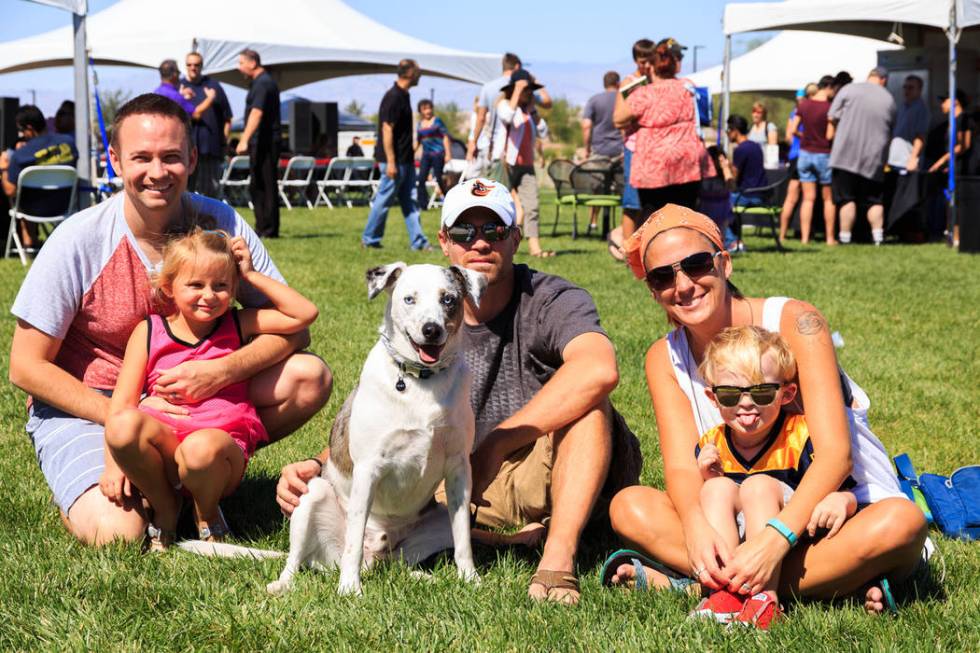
[(489, 134), (862, 116), (549, 446), (598, 132)]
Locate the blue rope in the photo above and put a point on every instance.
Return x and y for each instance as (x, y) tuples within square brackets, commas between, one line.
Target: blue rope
[(110, 173)]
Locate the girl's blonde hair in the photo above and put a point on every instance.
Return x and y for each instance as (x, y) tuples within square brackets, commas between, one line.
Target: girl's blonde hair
[(759, 106), (184, 250), (740, 350)]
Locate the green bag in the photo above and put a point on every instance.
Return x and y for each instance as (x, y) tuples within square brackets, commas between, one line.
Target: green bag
[(499, 173)]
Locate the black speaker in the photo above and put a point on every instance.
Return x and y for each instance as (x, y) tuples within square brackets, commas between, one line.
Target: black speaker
[(300, 127), (8, 128), (968, 213), (325, 124)]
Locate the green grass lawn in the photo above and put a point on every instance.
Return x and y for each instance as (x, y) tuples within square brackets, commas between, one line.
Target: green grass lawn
[(909, 317)]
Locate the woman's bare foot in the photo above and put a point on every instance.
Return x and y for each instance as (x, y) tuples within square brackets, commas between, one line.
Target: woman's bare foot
[(874, 600), (625, 576)]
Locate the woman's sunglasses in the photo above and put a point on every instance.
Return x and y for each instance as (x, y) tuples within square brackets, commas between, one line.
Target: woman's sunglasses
[(464, 233), (695, 265), (762, 394)]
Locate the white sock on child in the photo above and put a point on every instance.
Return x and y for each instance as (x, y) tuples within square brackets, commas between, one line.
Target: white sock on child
[(844, 237), (878, 235)]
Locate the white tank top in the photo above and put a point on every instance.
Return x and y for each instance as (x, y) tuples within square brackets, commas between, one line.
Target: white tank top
[(872, 470)]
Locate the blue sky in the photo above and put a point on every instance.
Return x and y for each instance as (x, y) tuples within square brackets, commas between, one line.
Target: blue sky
[(549, 35)]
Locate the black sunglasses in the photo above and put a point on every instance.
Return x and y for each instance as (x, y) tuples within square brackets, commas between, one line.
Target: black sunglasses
[(464, 233), (695, 265), (762, 394)]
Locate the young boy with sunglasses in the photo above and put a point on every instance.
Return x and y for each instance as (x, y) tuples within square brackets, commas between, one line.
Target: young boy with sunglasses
[(752, 463)]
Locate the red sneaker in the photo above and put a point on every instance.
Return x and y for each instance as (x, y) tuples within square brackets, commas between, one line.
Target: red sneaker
[(760, 611), (721, 606)]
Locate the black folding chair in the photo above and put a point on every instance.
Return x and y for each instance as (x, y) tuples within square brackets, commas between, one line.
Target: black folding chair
[(767, 214)]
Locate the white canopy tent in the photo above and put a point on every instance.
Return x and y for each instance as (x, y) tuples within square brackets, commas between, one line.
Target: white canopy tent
[(908, 20), (790, 59), (301, 41)]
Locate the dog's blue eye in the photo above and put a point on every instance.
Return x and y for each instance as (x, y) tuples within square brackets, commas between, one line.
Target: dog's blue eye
[(448, 300), (409, 299)]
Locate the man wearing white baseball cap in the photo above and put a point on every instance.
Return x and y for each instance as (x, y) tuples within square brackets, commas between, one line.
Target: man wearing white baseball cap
[(550, 451)]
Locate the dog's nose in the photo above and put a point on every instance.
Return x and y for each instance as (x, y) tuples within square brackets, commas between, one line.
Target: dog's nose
[(431, 331)]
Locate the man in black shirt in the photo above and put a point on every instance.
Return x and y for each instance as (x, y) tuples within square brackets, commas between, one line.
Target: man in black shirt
[(396, 157), (355, 147), (260, 141), (209, 132)]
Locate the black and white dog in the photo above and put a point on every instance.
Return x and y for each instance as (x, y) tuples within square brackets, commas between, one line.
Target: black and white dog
[(406, 426)]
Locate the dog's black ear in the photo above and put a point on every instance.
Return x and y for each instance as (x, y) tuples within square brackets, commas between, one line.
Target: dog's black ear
[(383, 277), (473, 283)]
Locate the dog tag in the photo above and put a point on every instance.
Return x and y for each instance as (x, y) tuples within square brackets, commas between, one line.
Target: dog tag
[(400, 385)]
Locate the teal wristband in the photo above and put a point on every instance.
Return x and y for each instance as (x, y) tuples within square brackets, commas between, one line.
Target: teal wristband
[(783, 530)]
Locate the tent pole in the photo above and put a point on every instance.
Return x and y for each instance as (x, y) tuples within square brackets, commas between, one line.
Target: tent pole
[(83, 131), (726, 87), (953, 35)]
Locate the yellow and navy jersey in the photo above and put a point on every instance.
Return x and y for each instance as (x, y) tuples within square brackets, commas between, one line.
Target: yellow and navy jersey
[(785, 455)]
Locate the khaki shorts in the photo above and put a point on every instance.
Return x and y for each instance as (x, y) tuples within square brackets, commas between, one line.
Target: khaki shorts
[(521, 492)]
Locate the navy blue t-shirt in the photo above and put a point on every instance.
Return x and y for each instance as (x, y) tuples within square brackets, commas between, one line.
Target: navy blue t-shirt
[(44, 150), (747, 159), (208, 133)]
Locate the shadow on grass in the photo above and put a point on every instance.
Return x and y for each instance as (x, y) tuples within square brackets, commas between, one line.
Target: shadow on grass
[(319, 234), (252, 511), (596, 543)]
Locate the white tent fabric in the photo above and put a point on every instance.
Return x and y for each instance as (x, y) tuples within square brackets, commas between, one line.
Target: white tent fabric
[(806, 14), (75, 6), (301, 41), (790, 59)]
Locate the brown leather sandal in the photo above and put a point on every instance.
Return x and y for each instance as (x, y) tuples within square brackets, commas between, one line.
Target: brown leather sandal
[(559, 586)]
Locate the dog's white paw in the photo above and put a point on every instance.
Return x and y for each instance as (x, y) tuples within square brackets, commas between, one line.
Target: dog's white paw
[(470, 575), (418, 574), (278, 587), (350, 587)]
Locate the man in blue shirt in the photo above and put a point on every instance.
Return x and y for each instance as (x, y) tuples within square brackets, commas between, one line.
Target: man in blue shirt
[(209, 132), (40, 148), (747, 162)]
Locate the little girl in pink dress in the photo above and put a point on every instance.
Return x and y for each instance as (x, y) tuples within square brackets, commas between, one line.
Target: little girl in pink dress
[(201, 445)]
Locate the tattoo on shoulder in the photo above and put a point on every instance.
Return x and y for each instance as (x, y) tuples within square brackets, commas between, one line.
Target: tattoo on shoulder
[(810, 323)]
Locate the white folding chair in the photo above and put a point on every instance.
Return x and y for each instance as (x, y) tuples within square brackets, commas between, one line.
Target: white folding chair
[(432, 189), (297, 178), (235, 180), (334, 179), (35, 184), (364, 178)]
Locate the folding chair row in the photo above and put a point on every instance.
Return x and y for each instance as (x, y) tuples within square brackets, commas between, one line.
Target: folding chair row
[(235, 180), (346, 176), (297, 178)]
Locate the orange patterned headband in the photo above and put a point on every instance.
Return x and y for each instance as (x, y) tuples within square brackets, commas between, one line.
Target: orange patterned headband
[(670, 216)]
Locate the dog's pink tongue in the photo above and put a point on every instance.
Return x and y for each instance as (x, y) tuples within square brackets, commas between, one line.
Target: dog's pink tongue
[(429, 354)]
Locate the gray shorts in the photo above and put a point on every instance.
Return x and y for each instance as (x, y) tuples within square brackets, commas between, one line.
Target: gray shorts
[(70, 451), (740, 517)]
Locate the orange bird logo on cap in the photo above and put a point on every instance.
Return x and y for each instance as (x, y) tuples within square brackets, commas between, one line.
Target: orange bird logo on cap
[(480, 189)]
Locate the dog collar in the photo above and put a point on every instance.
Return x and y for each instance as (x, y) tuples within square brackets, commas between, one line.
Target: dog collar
[(410, 368)]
